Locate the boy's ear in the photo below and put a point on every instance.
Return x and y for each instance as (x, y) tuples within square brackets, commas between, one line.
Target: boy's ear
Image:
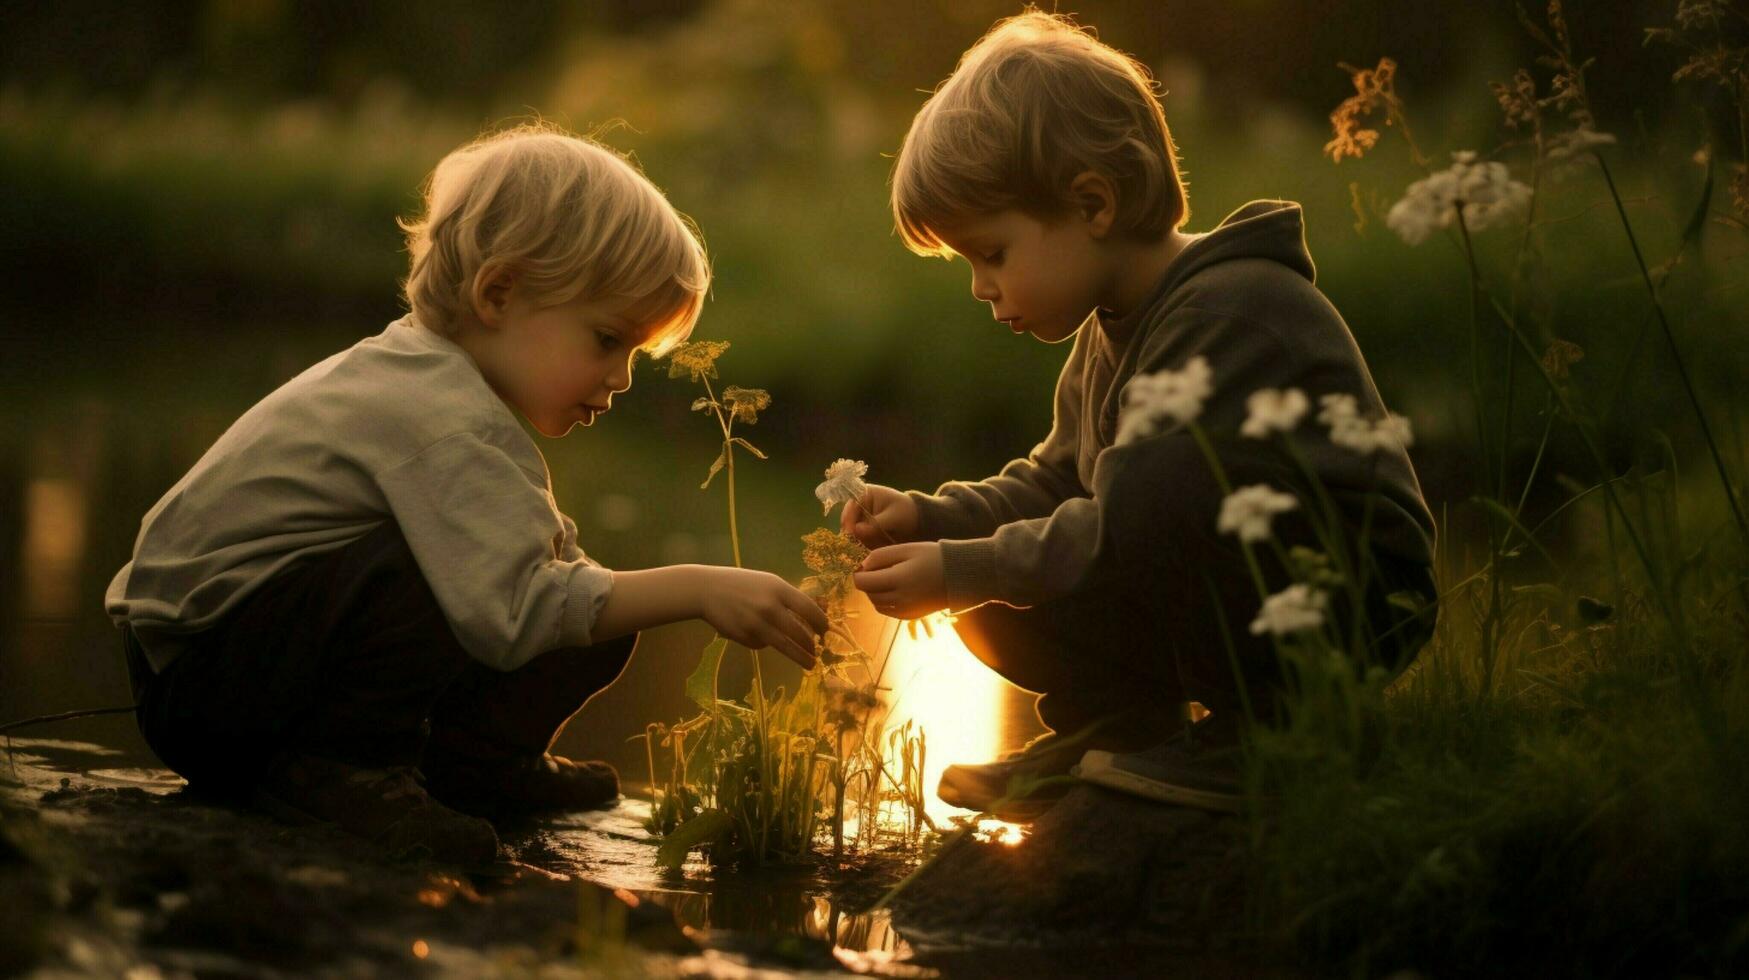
[(491, 293), (1095, 201)]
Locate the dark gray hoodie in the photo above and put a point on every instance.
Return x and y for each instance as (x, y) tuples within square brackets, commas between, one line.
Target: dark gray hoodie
[(1241, 296)]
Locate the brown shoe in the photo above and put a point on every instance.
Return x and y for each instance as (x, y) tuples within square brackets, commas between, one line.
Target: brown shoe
[(500, 788), (387, 807)]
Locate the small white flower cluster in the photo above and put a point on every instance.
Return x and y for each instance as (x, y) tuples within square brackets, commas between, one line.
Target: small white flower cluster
[(1295, 609), (1483, 188), (1153, 400), (1248, 511), (1350, 430), (1272, 410), (1570, 145), (842, 485)]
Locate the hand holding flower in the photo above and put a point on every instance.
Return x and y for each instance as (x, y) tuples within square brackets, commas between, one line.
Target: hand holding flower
[(904, 581), (880, 516)]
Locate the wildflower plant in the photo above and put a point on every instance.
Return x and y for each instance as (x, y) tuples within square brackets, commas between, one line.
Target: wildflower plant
[(756, 780), (1483, 191)]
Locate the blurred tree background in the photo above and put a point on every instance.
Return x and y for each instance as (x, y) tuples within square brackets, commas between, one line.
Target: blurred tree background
[(200, 200)]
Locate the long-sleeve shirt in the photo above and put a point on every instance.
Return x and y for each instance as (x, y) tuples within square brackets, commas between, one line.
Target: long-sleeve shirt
[(402, 427), (1241, 296)]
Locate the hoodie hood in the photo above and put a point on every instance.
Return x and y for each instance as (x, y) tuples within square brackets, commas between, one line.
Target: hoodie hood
[(1273, 230)]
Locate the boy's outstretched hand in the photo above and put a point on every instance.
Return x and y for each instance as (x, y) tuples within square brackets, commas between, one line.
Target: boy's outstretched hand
[(904, 581), (881, 516), (759, 609), (754, 609)]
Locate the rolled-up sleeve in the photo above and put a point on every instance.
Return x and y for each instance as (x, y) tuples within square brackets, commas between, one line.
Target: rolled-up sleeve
[(495, 550)]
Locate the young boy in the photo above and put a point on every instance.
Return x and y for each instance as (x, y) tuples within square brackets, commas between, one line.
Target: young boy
[(1046, 163), (366, 579)]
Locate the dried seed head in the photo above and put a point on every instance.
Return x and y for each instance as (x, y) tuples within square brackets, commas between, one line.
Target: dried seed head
[(697, 358), (1373, 88)]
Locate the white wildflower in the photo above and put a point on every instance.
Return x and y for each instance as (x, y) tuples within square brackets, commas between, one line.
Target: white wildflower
[(1483, 188), (1152, 400), (1350, 430), (1273, 410), (1393, 431), (1247, 511), (1336, 409), (1295, 609), (1567, 146), (843, 484), (1363, 436)]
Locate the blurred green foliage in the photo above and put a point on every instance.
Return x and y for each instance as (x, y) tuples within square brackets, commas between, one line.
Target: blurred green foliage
[(224, 166)]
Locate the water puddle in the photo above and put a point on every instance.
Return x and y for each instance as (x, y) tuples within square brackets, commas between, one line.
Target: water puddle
[(789, 916)]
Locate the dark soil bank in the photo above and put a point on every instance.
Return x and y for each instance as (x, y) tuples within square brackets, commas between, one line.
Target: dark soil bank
[(104, 871), (1134, 888)]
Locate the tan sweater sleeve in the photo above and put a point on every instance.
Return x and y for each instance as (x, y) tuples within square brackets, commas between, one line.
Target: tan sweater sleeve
[(500, 557)]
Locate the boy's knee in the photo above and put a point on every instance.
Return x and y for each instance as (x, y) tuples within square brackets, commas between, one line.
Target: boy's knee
[(1161, 506)]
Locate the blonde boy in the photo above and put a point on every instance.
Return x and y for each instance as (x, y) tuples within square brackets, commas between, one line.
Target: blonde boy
[(1046, 163), (368, 573)]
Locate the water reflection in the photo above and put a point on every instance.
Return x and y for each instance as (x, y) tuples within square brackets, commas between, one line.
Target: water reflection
[(54, 545), (967, 712)]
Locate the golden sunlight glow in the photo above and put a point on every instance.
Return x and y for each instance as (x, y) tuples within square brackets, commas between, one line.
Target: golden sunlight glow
[(957, 701), (54, 540), (1000, 832)]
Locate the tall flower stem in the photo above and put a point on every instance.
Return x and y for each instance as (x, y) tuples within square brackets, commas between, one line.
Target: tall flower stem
[(768, 768), (727, 425), (1676, 354), (1495, 613), (1685, 658)]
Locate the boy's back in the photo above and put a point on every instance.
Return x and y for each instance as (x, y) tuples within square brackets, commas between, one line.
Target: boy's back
[(400, 424)]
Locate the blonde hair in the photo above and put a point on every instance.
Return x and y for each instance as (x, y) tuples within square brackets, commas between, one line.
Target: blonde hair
[(1037, 101), (570, 217)]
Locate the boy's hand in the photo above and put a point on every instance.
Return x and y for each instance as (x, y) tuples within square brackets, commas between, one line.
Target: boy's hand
[(904, 580), (882, 516), (758, 610)]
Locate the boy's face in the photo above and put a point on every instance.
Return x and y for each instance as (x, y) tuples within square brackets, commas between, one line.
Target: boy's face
[(560, 366), (1040, 277)]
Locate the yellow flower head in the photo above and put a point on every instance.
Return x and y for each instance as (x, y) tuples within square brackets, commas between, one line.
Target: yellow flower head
[(697, 358), (745, 404)]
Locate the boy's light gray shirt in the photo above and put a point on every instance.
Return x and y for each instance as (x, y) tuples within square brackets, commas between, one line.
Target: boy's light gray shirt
[(399, 427), (1243, 297)]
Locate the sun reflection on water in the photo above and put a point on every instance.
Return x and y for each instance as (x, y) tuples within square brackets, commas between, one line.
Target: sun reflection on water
[(957, 701), (996, 831)]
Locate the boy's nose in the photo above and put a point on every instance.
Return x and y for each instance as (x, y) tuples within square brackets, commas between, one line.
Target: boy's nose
[(621, 378), (984, 289)]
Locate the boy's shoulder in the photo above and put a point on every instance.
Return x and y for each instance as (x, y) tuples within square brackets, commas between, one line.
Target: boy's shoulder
[(1260, 246), (1253, 266), (397, 393)]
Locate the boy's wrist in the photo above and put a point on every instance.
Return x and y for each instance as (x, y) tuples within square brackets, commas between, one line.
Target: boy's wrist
[(968, 570), (688, 583)]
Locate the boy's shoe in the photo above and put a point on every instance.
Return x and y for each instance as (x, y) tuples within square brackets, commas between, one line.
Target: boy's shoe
[(1199, 769), (387, 807), (521, 785), (1004, 787)]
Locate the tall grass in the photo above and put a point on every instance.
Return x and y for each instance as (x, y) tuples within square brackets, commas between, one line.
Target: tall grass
[(1557, 782)]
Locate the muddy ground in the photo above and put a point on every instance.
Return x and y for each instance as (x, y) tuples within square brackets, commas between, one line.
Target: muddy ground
[(122, 872)]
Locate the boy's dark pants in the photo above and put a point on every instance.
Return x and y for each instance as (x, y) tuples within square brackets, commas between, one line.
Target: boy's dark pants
[(1155, 630), (348, 656)]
